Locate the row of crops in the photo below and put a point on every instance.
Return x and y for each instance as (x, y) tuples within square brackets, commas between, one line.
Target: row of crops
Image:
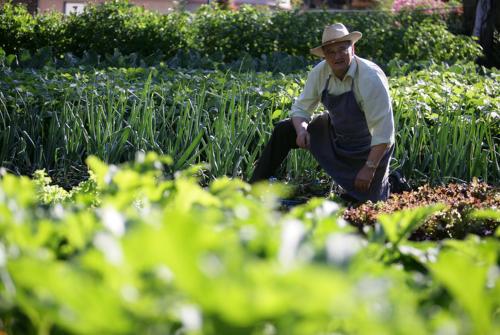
[(447, 119), (148, 125)]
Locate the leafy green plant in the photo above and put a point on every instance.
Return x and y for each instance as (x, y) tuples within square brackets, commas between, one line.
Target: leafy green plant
[(445, 117), (432, 41), (463, 270), (16, 27), (120, 25), (229, 34), (399, 226), (470, 208)]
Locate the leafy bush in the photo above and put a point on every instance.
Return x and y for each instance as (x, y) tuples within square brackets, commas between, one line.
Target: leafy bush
[(432, 41), (230, 34), (49, 31), (296, 33), (226, 36), (101, 28), (120, 25), (16, 28)]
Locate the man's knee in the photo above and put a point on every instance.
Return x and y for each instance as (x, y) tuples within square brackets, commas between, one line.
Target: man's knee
[(284, 128)]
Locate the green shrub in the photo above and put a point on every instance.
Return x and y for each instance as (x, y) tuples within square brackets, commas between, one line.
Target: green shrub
[(16, 28), (429, 40), (230, 34), (122, 26), (49, 31), (296, 33)]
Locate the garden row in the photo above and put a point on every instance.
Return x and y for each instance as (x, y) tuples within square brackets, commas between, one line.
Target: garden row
[(446, 117), (224, 36), (136, 250)]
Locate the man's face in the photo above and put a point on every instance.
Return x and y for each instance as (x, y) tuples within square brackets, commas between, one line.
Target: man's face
[(339, 56)]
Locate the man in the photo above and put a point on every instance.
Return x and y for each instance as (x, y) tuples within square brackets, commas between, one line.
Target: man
[(354, 141)]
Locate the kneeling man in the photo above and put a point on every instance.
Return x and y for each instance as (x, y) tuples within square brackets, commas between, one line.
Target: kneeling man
[(354, 140)]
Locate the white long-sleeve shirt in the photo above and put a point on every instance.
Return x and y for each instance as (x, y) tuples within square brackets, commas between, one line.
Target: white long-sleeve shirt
[(371, 91)]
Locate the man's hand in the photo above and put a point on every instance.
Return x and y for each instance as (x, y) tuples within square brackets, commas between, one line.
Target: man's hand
[(303, 139), (364, 179), (365, 175)]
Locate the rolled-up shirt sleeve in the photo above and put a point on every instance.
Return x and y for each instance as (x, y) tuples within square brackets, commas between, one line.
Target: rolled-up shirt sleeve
[(308, 100), (378, 110)]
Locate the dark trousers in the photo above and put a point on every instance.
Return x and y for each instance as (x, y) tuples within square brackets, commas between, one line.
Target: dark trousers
[(282, 141)]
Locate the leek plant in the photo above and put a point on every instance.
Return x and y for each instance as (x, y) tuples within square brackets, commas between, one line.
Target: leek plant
[(447, 122), (447, 128)]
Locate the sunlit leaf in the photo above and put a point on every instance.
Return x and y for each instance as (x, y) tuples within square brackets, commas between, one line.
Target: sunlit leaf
[(466, 281), (399, 225)]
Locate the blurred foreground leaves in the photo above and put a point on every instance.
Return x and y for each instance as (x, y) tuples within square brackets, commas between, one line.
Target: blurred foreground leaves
[(140, 248)]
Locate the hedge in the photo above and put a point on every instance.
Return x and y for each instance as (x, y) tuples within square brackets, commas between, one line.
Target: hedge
[(226, 36)]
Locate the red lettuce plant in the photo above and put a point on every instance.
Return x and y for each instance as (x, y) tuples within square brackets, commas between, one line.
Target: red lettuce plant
[(455, 221)]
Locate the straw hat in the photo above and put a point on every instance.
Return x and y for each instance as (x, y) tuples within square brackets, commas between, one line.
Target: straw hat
[(337, 32)]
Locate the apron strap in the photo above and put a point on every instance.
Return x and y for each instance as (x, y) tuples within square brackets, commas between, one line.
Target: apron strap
[(326, 84), (352, 78)]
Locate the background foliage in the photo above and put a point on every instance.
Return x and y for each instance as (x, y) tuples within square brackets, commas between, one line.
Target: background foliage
[(226, 36)]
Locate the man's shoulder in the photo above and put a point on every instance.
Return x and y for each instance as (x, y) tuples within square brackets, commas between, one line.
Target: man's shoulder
[(321, 68), (369, 71), (368, 66), (318, 74)]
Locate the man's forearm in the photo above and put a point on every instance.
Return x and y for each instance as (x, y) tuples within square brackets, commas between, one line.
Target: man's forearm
[(299, 123), (376, 153)]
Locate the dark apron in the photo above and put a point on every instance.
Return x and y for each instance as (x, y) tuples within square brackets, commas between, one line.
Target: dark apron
[(341, 142)]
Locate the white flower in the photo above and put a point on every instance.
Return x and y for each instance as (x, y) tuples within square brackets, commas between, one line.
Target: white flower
[(291, 235), (191, 318), (3, 255), (113, 221), (326, 209), (110, 247), (341, 247)]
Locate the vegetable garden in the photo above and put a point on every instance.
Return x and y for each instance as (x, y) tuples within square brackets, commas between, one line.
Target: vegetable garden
[(125, 140)]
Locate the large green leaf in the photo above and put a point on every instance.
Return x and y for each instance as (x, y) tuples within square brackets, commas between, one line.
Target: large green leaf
[(61, 292), (399, 225), (465, 277)]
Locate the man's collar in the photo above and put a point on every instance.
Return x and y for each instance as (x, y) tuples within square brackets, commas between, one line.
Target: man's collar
[(352, 68)]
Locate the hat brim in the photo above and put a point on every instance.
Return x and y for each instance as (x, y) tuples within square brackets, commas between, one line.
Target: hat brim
[(353, 37)]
